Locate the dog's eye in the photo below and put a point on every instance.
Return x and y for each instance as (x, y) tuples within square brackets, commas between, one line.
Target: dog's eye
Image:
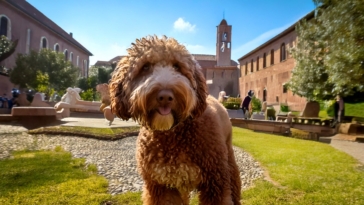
[(146, 67), (176, 67)]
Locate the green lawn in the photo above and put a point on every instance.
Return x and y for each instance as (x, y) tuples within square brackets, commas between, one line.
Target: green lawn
[(49, 177), (351, 109), (300, 172), (356, 109), (304, 172)]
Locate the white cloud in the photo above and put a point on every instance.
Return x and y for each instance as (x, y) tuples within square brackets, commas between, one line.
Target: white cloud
[(251, 45), (182, 25)]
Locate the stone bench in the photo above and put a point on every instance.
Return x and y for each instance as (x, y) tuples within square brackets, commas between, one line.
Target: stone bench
[(33, 117)]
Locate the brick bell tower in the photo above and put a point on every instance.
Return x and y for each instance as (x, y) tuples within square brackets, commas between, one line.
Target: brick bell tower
[(223, 44)]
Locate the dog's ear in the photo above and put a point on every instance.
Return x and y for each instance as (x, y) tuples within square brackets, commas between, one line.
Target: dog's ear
[(120, 91), (201, 91)]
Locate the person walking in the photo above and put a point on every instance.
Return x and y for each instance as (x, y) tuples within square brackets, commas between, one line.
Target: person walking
[(246, 104)]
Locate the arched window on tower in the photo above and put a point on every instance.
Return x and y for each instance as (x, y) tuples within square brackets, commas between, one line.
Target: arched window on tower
[(258, 63), (283, 52), (272, 57), (71, 57), (264, 60), (224, 36)]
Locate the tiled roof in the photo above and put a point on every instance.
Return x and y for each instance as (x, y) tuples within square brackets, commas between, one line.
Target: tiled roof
[(38, 16), (204, 57), (223, 22), (108, 63), (102, 63), (117, 59)]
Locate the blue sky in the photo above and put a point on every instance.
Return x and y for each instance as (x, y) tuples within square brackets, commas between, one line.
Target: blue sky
[(108, 27)]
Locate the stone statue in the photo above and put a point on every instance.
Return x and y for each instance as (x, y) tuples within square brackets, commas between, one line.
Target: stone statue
[(71, 96), (222, 95)]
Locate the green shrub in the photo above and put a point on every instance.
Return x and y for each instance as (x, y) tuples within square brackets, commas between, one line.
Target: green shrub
[(256, 104), (232, 103), (87, 95), (284, 108)]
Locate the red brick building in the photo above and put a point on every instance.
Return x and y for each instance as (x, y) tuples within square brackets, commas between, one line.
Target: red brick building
[(266, 69), (20, 20)]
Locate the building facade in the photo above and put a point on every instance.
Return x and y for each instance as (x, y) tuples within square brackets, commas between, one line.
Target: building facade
[(267, 69), (20, 21)]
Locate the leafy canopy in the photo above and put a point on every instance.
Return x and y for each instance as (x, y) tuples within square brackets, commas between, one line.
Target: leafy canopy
[(330, 51), (44, 71)]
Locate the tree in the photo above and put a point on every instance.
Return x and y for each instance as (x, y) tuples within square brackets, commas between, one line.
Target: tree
[(330, 51), (7, 48), (44, 71)]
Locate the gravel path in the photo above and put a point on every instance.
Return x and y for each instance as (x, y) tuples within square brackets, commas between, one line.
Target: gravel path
[(115, 160)]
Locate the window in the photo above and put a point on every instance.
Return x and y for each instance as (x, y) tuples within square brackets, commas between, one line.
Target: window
[(246, 68), (251, 66), (71, 56), (285, 88), (228, 45), (224, 37), (258, 63), (65, 55), (5, 26), (56, 47), (77, 61), (272, 57), (43, 43), (283, 52), (264, 60), (222, 47), (222, 74)]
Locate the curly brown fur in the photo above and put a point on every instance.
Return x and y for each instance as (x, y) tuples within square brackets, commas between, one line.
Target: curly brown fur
[(185, 139)]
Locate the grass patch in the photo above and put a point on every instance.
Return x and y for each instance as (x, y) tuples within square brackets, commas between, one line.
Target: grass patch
[(354, 109), (49, 177), (91, 132), (307, 172)]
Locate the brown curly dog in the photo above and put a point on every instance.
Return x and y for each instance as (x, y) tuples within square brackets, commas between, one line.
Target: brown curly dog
[(185, 139)]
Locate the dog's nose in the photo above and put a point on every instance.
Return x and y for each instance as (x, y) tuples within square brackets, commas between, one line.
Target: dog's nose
[(165, 96)]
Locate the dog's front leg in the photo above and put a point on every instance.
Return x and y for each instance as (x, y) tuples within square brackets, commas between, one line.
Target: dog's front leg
[(156, 194), (215, 191)]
